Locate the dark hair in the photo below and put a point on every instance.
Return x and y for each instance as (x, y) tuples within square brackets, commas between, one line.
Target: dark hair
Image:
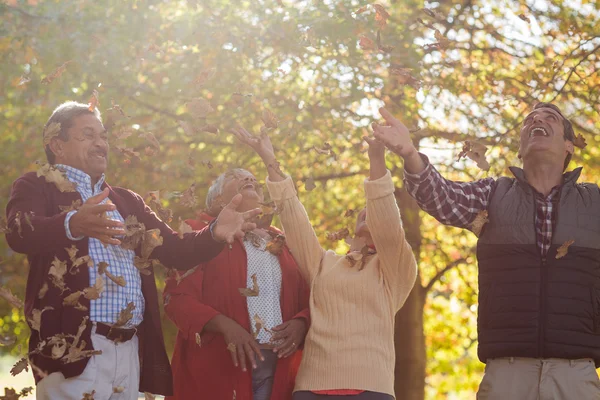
[(64, 115), (568, 128)]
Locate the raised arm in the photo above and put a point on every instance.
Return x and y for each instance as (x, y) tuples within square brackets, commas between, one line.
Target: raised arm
[(451, 203), (396, 258), (299, 233)]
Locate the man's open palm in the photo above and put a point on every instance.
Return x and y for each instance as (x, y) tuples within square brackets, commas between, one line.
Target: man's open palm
[(232, 224)]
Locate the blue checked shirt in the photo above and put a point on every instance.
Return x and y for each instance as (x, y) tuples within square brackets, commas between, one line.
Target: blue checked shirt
[(114, 298)]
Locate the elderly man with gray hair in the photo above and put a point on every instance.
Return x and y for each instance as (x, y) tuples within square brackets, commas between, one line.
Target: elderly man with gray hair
[(94, 317), (242, 316)]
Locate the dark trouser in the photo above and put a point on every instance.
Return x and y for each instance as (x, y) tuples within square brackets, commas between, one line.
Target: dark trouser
[(262, 376), (303, 395)]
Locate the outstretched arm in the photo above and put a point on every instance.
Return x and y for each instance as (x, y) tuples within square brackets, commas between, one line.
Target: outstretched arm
[(451, 203)]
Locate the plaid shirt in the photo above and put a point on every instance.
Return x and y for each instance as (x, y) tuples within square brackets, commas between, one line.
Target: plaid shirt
[(458, 203), (114, 298)]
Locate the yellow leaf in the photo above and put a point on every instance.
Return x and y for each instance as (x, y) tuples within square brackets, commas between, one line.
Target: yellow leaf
[(564, 249), (480, 220), (251, 292)]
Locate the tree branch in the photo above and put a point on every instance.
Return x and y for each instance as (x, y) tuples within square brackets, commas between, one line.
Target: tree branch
[(447, 268)]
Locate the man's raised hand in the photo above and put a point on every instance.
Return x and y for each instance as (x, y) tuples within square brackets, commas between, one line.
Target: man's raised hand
[(232, 224), (89, 220), (261, 145), (395, 135)]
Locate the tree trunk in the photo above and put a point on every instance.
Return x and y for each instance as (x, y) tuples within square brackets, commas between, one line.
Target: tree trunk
[(409, 338)]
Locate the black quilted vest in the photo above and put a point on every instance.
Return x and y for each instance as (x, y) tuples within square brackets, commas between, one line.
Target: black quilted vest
[(531, 306)]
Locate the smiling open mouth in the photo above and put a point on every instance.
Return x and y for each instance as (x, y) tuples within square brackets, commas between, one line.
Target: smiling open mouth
[(538, 131)]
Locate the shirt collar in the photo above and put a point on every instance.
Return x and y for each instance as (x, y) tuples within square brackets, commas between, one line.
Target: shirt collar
[(80, 178)]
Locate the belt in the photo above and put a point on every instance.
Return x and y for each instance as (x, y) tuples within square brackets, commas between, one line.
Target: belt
[(117, 335)]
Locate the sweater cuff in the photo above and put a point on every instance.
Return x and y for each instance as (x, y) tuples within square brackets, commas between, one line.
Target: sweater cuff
[(380, 187), (67, 229), (281, 190)]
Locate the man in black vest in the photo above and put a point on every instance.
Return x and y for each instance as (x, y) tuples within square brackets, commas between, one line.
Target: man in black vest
[(538, 256)]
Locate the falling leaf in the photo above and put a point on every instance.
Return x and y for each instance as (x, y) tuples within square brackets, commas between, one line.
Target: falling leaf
[(199, 108), (118, 389), (94, 101), (358, 258), (94, 292), (179, 276), (73, 301), (258, 325), (349, 213), (59, 347), (356, 243), (381, 15), (57, 271), (18, 223), (366, 44), (255, 239), (524, 18), (128, 152), (55, 74), (23, 80), (433, 14), (19, 366), (125, 315), (11, 298), (122, 133), (198, 339), (188, 198), (183, 228), (51, 131), (269, 119), (89, 395), (480, 220), (205, 76), (149, 136), (75, 204), (152, 239), (361, 10), (338, 235), (579, 141), (4, 225), (43, 291), (443, 42), (275, 246), (309, 184), (7, 340), (247, 292), (327, 149), (210, 128), (134, 232), (164, 214), (54, 175), (103, 270), (113, 115), (271, 208), (563, 249), (187, 127), (231, 347), (36, 318), (476, 152)]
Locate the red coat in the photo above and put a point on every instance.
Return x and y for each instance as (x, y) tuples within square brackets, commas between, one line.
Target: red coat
[(206, 371)]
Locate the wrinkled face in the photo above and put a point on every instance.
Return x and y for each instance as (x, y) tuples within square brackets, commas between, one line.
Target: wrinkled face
[(361, 224), (87, 146), (543, 131), (245, 183)]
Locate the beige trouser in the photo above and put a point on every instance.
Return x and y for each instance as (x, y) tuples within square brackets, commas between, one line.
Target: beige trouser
[(539, 379), (117, 367)]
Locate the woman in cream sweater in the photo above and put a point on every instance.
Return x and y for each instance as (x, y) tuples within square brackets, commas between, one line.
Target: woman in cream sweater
[(349, 349)]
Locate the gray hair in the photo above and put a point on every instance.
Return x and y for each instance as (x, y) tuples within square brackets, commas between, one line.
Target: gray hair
[(216, 189), (64, 115)]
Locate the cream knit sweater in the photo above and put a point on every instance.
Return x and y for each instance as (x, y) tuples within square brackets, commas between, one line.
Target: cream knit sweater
[(350, 343)]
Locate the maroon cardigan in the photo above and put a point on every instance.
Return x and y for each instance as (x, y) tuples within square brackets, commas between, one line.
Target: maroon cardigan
[(211, 290), (49, 240)]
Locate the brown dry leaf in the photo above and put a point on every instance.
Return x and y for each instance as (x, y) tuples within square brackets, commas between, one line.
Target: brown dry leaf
[(38, 371), (89, 395), (19, 366), (205, 76), (275, 246), (54, 175), (134, 232), (143, 264), (270, 208), (77, 353), (123, 133), (125, 315), (381, 15), (55, 74), (23, 80), (11, 298), (94, 292), (43, 291), (198, 339), (309, 184), (442, 41), (338, 235), (118, 389), (73, 301), (183, 228), (579, 141), (150, 138), (361, 10), (269, 119), (366, 44), (51, 131), (57, 271), (36, 318), (210, 128), (75, 204), (18, 217), (480, 220), (524, 18), (258, 325), (103, 270), (72, 252), (564, 249), (128, 152), (231, 347), (152, 239), (199, 108), (476, 152), (59, 346), (7, 340), (327, 149), (85, 260), (349, 213), (94, 101), (165, 214), (4, 225), (188, 198), (247, 292), (187, 127), (113, 115), (433, 14)]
